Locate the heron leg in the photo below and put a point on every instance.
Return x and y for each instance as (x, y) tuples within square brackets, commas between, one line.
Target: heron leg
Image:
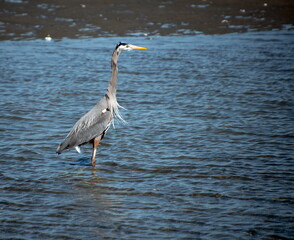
[(95, 145)]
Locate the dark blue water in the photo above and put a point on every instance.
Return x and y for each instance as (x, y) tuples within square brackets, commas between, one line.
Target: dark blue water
[(207, 152)]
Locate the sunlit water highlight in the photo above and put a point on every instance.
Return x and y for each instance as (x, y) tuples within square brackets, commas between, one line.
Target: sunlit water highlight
[(207, 152)]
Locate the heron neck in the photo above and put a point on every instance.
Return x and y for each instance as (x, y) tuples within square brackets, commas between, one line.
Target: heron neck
[(113, 80)]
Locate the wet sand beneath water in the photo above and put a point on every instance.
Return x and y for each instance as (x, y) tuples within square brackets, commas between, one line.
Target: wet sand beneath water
[(21, 19)]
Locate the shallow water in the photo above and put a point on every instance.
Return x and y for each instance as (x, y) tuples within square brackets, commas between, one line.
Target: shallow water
[(20, 19), (207, 152)]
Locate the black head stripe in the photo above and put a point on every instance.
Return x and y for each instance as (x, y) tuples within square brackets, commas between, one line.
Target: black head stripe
[(120, 44)]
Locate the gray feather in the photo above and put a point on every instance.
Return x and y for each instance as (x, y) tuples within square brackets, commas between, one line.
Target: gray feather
[(93, 124)]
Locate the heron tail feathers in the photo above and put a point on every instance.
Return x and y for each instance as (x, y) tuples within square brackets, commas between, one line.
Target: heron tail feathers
[(63, 146)]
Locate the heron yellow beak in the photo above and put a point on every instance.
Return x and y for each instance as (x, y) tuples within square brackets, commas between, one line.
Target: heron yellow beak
[(136, 47)]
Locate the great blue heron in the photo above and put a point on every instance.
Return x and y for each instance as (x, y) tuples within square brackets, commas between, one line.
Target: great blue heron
[(92, 127)]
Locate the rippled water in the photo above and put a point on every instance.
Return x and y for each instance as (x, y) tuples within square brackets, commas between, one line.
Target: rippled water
[(207, 152)]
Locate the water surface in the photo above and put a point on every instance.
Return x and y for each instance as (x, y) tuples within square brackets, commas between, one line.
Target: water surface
[(207, 152)]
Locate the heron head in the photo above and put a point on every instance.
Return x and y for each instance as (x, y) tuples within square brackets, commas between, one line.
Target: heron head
[(127, 47)]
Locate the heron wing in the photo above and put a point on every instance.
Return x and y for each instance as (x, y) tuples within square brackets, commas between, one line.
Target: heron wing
[(93, 124)]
